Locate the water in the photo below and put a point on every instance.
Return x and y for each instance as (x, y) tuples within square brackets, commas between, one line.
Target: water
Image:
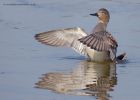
[(23, 60)]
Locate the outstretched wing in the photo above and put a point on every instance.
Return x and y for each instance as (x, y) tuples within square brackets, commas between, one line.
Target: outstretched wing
[(64, 37), (101, 41)]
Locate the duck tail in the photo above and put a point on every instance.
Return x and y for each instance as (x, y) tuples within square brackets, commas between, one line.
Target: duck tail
[(122, 56)]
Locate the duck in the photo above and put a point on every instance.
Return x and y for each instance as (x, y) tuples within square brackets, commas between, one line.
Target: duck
[(99, 46)]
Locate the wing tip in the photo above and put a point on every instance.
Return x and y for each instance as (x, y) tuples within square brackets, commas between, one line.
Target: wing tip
[(36, 36), (47, 41)]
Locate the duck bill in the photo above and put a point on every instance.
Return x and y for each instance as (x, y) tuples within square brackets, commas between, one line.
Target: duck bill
[(95, 14)]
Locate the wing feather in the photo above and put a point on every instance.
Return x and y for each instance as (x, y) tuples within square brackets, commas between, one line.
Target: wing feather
[(101, 41), (64, 37)]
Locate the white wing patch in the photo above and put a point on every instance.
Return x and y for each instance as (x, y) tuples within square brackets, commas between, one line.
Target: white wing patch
[(64, 37)]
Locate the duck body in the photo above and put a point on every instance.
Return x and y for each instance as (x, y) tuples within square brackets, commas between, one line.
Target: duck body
[(98, 46), (98, 56)]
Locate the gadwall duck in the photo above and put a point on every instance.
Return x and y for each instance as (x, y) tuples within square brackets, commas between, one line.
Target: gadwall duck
[(98, 46)]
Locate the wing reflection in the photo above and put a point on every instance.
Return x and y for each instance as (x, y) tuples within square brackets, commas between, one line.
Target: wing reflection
[(88, 78)]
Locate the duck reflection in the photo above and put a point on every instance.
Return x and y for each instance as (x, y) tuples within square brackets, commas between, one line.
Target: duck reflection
[(88, 78)]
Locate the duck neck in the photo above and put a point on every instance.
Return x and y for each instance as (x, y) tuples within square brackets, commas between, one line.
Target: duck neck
[(101, 26), (104, 23)]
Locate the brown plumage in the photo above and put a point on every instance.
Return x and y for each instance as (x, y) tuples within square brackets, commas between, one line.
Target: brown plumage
[(100, 41), (99, 46)]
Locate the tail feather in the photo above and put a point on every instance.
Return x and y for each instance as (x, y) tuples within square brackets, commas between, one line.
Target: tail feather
[(121, 56)]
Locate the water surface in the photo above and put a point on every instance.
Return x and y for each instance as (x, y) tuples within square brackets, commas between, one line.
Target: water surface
[(23, 60)]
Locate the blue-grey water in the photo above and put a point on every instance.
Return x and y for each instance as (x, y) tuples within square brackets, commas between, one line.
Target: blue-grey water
[(61, 73)]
